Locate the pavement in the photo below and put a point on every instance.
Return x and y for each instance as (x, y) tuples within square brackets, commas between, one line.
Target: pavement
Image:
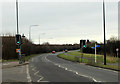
[(12, 64), (14, 72)]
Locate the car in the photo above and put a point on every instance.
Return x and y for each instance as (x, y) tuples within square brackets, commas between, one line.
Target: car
[(53, 52), (66, 50)]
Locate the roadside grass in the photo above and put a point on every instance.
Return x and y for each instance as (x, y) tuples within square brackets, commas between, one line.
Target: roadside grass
[(30, 56), (100, 58), (90, 59), (16, 60)]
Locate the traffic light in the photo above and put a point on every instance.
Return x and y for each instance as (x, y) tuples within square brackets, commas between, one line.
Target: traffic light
[(18, 39), (82, 43)]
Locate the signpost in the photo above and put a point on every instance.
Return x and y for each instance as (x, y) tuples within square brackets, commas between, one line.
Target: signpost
[(117, 49), (93, 47), (95, 50)]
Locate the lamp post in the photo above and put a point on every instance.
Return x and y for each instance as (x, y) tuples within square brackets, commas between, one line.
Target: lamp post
[(104, 33), (30, 36), (17, 16), (30, 31), (49, 39), (39, 37)]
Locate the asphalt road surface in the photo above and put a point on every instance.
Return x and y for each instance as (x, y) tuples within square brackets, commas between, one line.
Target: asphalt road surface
[(50, 68)]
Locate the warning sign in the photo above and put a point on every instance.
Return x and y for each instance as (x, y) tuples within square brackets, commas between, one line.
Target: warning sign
[(18, 51)]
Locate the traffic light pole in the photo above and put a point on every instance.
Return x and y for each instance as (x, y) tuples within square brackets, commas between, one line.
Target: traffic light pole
[(81, 51), (18, 46), (17, 15)]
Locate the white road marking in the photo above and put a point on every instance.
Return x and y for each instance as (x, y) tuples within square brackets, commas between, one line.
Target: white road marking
[(40, 79), (36, 73), (6, 63), (44, 81), (34, 68), (75, 71), (58, 65), (28, 75), (94, 80), (48, 60)]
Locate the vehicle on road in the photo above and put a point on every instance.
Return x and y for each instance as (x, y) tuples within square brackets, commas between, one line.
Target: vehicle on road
[(66, 50), (53, 52)]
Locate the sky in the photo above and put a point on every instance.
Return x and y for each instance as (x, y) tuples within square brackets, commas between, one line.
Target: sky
[(60, 22)]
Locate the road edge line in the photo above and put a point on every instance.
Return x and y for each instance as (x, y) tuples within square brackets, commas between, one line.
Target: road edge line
[(28, 75)]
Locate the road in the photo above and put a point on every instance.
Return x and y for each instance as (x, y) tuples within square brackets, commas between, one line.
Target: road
[(50, 68), (53, 69)]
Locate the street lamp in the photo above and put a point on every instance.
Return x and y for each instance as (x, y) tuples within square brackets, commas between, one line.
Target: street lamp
[(30, 31), (30, 36), (49, 39), (39, 37), (104, 33)]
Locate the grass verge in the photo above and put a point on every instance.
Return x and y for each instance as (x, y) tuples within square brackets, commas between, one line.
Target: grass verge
[(76, 57)]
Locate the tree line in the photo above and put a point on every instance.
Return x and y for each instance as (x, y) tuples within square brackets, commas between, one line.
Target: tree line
[(111, 45), (9, 47)]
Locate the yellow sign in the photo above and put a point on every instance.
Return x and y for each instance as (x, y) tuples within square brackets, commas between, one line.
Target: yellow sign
[(18, 51)]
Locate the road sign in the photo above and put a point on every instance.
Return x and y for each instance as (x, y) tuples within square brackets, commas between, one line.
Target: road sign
[(18, 51), (93, 47), (117, 49), (97, 45)]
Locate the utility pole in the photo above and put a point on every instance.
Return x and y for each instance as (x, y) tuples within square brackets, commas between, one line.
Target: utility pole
[(104, 33), (17, 15), (39, 39)]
